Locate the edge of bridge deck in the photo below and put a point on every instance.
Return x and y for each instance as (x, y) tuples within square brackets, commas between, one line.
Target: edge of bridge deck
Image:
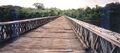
[(92, 37), (53, 37)]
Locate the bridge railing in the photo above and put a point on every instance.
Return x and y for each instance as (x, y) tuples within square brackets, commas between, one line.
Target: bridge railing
[(15, 28), (95, 39)]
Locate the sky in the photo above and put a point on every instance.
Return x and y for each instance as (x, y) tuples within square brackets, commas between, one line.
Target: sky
[(61, 4)]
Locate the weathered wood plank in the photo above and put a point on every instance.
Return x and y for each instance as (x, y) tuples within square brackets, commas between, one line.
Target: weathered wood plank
[(54, 37)]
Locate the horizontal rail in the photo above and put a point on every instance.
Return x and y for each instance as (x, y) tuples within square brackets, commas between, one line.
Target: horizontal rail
[(15, 28), (18, 21), (95, 38)]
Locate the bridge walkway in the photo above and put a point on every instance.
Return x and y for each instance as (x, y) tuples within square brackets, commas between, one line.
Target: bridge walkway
[(53, 37)]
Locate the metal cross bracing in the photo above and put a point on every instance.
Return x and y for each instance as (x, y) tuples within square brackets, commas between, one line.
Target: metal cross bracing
[(56, 35), (53, 37)]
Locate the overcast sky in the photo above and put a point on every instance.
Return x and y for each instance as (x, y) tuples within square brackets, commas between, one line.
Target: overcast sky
[(62, 4)]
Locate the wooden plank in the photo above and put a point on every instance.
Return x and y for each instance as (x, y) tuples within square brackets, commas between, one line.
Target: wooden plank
[(54, 37)]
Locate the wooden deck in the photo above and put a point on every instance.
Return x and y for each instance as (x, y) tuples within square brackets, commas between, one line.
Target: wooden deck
[(54, 37)]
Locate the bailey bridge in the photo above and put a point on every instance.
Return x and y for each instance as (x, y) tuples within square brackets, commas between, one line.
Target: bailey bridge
[(56, 34)]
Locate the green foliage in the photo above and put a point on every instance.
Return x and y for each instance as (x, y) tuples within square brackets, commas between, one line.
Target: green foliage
[(39, 5), (91, 15), (114, 14), (26, 13), (7, 11)]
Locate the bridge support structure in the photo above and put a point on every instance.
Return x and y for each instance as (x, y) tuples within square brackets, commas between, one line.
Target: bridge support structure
[(14, 29), (94, 38)]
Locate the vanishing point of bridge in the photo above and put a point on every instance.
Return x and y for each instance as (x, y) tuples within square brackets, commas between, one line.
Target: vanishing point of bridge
[(56, 35)]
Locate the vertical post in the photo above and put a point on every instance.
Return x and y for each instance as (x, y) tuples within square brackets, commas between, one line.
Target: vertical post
[(15, 25)]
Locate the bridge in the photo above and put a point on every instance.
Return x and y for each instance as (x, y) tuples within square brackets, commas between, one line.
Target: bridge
[(56, 34)]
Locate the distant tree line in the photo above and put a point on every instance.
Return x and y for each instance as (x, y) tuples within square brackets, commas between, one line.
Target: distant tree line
[(10, 13), (91, 15)]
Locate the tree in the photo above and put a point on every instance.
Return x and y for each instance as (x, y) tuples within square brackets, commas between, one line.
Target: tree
[(39, 5), (114, 15), (8, 12)]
